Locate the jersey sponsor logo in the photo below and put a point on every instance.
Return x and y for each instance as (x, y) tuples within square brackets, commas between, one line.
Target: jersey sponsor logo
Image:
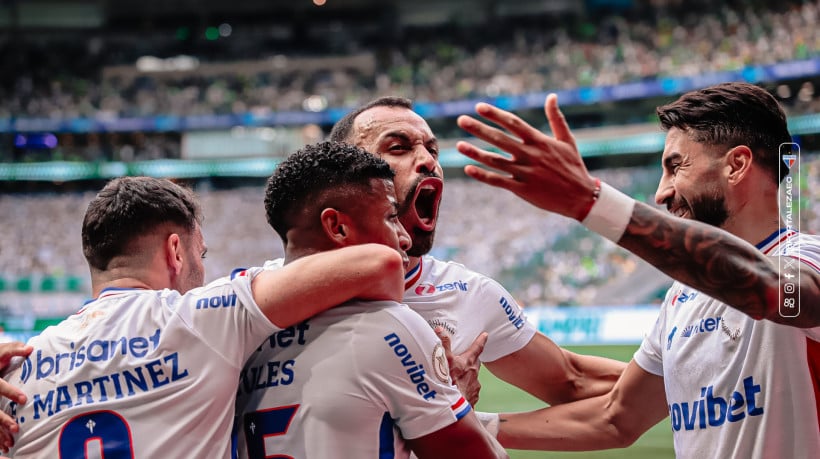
[(98, 350), (669, 338), (216, 302), (274, 373), (705, 325), (514, 315), (682, 297), (287, 337), (414, 370), (126, 383), (426, 288), (714, 411), (241, 272)]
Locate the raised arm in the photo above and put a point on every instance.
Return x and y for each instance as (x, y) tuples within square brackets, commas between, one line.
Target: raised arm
[(315, 283), (548, 172), (721, 265), (613, 420)]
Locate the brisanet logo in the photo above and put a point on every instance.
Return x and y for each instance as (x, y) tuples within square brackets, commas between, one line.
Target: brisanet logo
[(712, 410)]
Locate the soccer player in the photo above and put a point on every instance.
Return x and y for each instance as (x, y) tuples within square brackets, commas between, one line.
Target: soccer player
[(148, 368), (734, 368), (462, 302), (346, 382)]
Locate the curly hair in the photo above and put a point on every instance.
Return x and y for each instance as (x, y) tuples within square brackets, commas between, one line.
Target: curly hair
[(301, 183), (731, 114), (128, 207)]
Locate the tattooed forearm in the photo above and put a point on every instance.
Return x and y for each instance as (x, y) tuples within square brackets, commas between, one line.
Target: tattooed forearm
[(711, 260)]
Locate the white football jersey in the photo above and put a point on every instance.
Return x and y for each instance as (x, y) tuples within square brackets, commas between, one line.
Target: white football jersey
[(139, 374), (737, 387), (346, 384), (464, 303)]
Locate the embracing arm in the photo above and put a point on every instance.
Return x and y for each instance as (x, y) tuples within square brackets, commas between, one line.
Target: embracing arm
[(613, 420), (548, 172), (315, 283), (8, 427), (555, 375), (464, 438)]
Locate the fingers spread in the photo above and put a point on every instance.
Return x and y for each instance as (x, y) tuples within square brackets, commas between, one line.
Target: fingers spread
[(488, 133), (558, 124), (509, 121)]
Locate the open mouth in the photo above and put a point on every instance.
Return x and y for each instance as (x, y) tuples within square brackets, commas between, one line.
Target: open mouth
[(426, 202)]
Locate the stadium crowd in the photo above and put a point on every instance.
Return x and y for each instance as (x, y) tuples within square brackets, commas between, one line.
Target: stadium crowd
[(434, 67), (541, 258)]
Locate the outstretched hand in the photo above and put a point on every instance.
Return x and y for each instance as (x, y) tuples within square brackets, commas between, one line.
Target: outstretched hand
[(8, 427), (545, 171), (464, 367)]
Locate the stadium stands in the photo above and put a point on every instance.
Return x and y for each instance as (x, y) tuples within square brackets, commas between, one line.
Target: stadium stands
[(99, 78), (542, 259)]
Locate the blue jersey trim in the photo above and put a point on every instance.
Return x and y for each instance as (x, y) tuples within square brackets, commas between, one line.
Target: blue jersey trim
[(771, 237), (237, 271), (386, 446), (464, 411)]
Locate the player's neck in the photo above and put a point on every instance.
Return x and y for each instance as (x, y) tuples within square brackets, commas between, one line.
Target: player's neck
[(754, 222), (414, 261), (126, 282)]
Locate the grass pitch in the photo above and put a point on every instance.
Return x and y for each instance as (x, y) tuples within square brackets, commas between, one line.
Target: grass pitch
[(498, 396)]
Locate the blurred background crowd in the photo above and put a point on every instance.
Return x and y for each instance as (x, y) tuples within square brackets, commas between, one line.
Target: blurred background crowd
[(125, 61)]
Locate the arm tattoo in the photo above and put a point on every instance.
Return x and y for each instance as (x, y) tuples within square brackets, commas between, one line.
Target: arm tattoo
[(709, 259)]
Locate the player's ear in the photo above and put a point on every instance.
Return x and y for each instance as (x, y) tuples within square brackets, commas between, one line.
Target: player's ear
[(739, 162), (173, 253), (336, 226)]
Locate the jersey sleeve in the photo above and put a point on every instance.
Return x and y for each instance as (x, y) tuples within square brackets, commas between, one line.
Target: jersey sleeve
[(806, 249), (649, 355), (226, 316), (503, 319), (403, 366)]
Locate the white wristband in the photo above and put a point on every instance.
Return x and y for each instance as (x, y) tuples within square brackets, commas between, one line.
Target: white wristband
[(489, 421), (610, 214)]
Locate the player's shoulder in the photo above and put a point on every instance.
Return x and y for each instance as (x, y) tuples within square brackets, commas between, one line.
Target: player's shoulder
[(439, 268), (400, 316), (274, 264)]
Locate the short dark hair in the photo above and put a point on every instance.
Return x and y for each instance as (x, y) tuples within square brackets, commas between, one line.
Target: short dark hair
[(302, 179), (343, 128), (129, 207), (731, 114)]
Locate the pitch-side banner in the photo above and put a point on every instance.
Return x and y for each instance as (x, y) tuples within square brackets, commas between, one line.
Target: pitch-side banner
[(594, 324)]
